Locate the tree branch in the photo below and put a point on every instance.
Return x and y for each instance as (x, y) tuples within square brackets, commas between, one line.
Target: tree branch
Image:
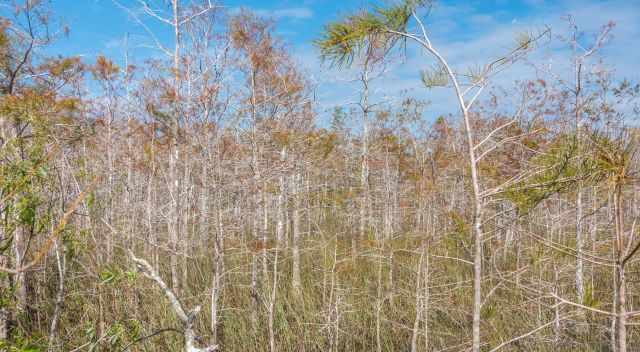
[(186, 318)]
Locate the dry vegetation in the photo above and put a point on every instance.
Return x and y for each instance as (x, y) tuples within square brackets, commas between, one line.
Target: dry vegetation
[(195, 203)]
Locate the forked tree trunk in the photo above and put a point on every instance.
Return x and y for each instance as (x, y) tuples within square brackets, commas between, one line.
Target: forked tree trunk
[(475, 180), (186, 318)]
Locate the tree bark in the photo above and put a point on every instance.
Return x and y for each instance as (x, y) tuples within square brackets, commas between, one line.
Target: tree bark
[(620, 282), (174, 156), (295, 245)]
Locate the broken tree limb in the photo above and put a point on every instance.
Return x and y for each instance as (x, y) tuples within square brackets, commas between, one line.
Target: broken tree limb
[(186, 318)]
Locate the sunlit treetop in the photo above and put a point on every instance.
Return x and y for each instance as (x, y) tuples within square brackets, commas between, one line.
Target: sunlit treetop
[(368, 33)]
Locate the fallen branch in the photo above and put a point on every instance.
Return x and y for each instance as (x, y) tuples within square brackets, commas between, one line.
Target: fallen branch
[(185, 318)]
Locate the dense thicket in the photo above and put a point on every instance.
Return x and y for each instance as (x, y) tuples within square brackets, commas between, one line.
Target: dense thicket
[(373, 232)]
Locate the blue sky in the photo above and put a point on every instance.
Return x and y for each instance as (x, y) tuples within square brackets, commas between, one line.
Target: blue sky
[(467, 32)]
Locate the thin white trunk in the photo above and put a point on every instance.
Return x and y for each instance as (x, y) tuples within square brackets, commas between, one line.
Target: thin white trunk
[(556, 311), (61, 266), (272, 303), (295, 245), (20, 279), (425, 300), (129, 186), (174, 156), (218, 268), (579, 247), (4, 260), (419, 298), (579, 192), (621, 291), (364, 173), (280, 227), (379, 300)]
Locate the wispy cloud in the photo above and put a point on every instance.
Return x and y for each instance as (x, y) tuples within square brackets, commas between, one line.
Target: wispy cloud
[(295, 13), (468, 38)]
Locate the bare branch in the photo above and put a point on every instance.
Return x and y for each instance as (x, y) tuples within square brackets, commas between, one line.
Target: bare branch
[(186, 318), (595, 310), (525, 335)]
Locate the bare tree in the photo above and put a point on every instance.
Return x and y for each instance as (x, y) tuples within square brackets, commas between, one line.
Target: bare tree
[(390, 25)]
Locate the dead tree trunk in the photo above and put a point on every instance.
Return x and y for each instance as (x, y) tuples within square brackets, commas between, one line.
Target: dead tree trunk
[(186, 318)]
